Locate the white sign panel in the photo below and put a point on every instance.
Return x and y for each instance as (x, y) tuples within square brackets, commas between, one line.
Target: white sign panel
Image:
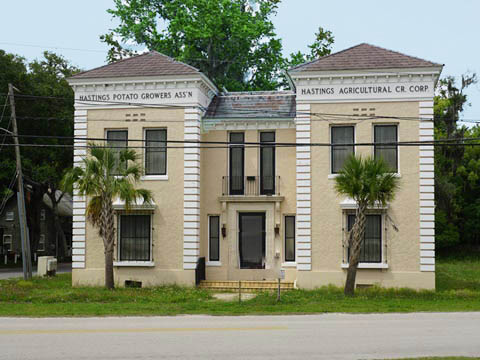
[(357, 91)]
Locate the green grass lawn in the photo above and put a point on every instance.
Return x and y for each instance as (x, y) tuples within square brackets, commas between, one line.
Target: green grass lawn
[(458, 289)]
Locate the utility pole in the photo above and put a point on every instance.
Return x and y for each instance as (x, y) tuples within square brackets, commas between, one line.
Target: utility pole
[(22, 215)]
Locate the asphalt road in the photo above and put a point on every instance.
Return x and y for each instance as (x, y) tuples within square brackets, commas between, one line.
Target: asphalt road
[(331, 336)]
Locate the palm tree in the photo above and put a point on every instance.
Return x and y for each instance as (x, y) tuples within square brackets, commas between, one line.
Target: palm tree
[(369, 182), (105, 175)]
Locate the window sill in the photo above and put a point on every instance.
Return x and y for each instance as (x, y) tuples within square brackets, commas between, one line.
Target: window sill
[(333, 176), (368, 266), (134, 263), (154, 177), (289, 264), (213, 263)]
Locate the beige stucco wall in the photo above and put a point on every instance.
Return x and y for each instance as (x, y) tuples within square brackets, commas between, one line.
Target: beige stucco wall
[(402, 248), (167, 220), (214, 165)]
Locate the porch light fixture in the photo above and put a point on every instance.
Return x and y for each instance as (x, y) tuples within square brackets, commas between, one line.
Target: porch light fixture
[(277, 229), (224, 231)]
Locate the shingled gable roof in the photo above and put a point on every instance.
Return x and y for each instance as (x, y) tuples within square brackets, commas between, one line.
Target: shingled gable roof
[(364, 56), (152, 63), (252, 105)]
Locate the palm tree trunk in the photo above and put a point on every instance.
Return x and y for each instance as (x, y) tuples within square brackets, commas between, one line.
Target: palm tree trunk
[(108, 234), (109, 281), (358, 232)]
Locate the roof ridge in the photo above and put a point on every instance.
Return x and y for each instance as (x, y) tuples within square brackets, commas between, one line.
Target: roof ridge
[(400, 53), (327, 56), (174, 60), (367, 47), (116, 62), (152, 53)]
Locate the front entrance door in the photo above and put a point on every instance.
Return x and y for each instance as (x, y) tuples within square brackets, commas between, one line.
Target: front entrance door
[(252, 240)]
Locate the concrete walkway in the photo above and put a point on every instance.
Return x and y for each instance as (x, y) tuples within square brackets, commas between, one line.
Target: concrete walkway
[(330, 336)]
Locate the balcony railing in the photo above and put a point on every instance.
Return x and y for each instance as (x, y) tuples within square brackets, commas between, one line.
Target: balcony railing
[(251, 185)]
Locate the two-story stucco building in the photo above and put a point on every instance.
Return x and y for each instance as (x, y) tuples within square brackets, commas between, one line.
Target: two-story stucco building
[(240, 199)]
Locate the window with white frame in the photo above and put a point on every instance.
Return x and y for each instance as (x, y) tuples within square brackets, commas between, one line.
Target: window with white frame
[(371, 247), (214, 238), (118, 140), (42, 215), (290, 238), (134, 237), (7, 242), (156, 152), (388, 135), (9, 216), (342, 139), (41, 243)]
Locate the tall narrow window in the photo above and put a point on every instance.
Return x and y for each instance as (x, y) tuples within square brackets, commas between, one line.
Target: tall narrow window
[(117, 139), (267, 163), (134, 238), (387, 134), (41, 243), (341, 137), (214, 238), (289, 238), (371, 248), (156, 152), (237, 163), (7, 243)]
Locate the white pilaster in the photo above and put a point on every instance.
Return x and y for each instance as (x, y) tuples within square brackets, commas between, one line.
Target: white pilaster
[(191, 189), (79, 202), (303, 189), (427, 188)]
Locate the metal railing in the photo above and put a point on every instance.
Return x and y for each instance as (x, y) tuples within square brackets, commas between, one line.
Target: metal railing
[(251, 185)]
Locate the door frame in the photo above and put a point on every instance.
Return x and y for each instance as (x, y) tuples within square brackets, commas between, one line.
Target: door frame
[(264, 241)]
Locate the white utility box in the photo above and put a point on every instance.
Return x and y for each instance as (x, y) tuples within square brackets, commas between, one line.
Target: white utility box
[(47, 265)]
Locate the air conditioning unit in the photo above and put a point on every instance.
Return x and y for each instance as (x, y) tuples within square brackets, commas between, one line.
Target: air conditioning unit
[(46, 266), (51, 267)]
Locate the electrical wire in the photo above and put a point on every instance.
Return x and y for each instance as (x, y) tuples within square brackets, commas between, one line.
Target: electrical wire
[(8, 125)]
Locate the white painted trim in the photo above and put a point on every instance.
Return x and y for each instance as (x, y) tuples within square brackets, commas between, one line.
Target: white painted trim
[(426, 188), (154, 177), (289, 264), (213, 263), (134, 263)]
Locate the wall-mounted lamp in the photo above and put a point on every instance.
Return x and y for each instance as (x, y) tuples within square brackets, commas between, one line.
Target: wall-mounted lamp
[(277, 229), (224, 231)]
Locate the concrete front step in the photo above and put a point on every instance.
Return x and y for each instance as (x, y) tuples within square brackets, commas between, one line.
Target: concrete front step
[(246, 285)]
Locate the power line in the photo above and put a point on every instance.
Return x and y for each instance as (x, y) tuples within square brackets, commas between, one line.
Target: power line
[(321, 116), (51, 47), (9, 122), (458, 141)]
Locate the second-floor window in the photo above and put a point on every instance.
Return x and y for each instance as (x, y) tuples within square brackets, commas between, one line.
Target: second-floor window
[(9, 216), (156, 152), (267, 163), (237, 163), (386, 134), (117, 139), (342, 139)]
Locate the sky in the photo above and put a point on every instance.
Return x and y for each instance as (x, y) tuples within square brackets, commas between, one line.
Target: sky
[(441, 31)]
